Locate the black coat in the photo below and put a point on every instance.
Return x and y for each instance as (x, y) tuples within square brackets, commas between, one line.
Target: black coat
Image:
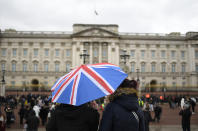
[(118, 115), (73, 118), (186, 115), (147, 119)]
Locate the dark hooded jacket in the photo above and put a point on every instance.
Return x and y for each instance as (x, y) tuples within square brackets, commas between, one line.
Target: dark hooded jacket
[(73, 118), (118, 115)]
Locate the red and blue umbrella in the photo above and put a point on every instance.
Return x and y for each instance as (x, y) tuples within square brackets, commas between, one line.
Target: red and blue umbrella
[(87, 83)]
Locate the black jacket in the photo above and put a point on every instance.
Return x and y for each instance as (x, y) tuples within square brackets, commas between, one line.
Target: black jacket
[(118, 115), (32, 121), (73, 118), (186, 115)]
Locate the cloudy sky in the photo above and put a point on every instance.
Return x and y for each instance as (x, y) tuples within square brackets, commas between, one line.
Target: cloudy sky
[(139, 16)]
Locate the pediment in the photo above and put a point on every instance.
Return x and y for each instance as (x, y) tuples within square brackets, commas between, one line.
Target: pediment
[(95, 32)]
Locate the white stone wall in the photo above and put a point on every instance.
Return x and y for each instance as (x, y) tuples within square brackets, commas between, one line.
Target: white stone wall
[(113, 45)]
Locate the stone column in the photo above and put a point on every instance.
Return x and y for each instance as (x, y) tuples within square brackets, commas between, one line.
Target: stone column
[(109, 53), (100, 52), (74, 57), (117, 54), (91, 53)]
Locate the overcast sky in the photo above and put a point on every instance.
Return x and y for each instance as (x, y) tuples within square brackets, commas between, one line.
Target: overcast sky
[(139, 16)]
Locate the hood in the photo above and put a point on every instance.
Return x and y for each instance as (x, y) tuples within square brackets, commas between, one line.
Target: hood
[(127, 98), (71, 112)]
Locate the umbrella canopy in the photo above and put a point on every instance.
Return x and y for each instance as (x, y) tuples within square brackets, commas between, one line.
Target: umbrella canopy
[(87, 83)]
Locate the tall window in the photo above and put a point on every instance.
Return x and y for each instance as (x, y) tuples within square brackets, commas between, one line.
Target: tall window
[(142, 53), (24, 67), (132, 53), (57, 52), (183, 83), (46, 52), (13, 67), (183, 54), (142, 67), (173, 67), (14, 52), (163, 54), (35, 67), (183, 67), (196, 54), (35, 52), (173, 54), (13, 84), (68, 66), (95, 53), (153, 67), (57, 67), (46, 67), (3, 52), (2, 66), (174, 84), (68, 53), (196, 66), (153, 53), (24, 52), (104, 53), (133, 67), (163, 67)]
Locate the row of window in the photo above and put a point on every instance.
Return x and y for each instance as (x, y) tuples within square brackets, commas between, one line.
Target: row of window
[(35, 52), (162, 55), (35, 67), (163, 67), (47, 52)]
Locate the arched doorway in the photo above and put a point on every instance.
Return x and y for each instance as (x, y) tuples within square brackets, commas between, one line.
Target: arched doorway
[(153, 85), (35, 84)]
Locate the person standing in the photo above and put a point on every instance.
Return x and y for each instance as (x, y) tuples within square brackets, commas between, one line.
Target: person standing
[(9, 112), (43, 114), (73, 118), (32, 122), (186, 115), (147, 117), (2, 122), (21, 114), (123, 113), (157, 111)]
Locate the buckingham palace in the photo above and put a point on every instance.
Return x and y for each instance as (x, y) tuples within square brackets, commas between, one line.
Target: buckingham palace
[(38, 58)]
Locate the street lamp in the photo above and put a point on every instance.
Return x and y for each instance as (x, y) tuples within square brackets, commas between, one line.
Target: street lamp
[(124, 56), (3, 83), (84, 55), (138, 82)]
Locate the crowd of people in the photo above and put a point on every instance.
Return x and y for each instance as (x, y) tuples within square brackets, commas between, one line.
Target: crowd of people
[(122, 110)]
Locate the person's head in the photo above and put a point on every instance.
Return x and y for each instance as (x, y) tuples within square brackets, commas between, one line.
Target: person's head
[(128, 84), (127, 87)]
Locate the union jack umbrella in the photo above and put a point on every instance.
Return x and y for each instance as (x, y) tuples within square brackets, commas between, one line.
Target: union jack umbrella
[(87, 83)]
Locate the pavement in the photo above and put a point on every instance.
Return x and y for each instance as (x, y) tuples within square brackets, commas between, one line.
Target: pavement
[(152, 128)]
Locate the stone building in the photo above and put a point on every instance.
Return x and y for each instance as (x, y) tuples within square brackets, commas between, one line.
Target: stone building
[(39, 58)]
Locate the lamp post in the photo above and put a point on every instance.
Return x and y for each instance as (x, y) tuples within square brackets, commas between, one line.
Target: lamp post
[(138, 82), (84, 55), (3, 83)]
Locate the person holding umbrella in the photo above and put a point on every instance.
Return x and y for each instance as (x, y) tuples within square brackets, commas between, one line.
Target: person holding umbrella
[(76, 90), (123, 112)]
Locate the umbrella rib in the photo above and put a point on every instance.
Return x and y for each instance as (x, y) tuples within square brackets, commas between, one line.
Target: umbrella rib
[(72, 75)]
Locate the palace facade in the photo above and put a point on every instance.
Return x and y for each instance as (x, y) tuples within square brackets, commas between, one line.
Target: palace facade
[(39, 58)]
